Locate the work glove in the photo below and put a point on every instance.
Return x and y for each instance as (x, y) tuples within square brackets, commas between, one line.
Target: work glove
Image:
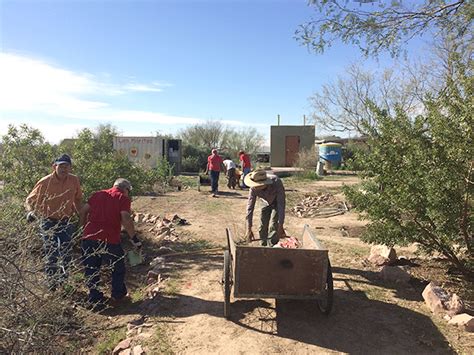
[(136, 242), (31, 217)]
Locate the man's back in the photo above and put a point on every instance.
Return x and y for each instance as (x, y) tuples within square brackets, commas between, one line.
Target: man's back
[(104, 220), (245, 159)]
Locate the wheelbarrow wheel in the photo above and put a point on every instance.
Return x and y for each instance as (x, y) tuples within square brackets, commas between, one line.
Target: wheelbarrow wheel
[(226, 283), (325, 303)]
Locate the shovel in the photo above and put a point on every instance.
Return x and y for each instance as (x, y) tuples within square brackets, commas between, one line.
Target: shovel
[(135, 257)]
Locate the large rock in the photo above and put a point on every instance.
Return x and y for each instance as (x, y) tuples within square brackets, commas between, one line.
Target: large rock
[(382, 255), (123, 345), (463, 321), (436, 298), (395, 274), (455, 305), (137, 350)]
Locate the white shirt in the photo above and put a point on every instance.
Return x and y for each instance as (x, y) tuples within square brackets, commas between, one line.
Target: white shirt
[(229, 164)]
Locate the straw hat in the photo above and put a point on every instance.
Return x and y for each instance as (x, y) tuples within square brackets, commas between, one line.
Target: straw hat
[(257, 178)]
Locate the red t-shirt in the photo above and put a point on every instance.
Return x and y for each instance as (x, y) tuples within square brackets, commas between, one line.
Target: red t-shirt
[(214, 162), (245, 159), (104, 220)]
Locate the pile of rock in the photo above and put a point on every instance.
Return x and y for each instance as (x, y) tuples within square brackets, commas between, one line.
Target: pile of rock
[(125, 347), (437, 299), (319, 206), (441, 302), (137, 331), (386, 257), (162, 228)]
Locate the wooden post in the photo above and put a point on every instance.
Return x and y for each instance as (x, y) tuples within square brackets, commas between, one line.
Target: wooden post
[(304, 120), (278, 119)]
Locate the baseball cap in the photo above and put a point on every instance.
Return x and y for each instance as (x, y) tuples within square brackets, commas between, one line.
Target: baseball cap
[(63, 159)]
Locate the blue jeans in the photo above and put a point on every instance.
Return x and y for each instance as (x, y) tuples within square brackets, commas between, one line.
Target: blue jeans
[(214, 181), (94, 254), (245, 172), (57, 237)]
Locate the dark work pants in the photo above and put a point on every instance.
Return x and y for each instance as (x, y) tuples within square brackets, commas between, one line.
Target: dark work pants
[(96, 253), (231, 181), (269, 213), (57, 251), (214, 181)]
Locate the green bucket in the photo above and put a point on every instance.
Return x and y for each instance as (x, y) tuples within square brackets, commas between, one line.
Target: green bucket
[(135, 258)]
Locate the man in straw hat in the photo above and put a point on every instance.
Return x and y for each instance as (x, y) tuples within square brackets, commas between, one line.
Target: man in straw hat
[(270, 190)]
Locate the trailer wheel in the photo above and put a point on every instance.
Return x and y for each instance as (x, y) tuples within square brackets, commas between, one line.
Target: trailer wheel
[(226, 283), (325, 303)]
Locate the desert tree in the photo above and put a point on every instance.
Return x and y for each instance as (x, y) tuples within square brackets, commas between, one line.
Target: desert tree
[(25, 158), (341, 105), (378, 26), (417, 184), (199, 139), (210, 134), (417, 177), (248, 139)]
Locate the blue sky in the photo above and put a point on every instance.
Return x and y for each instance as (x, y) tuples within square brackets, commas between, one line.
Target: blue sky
[(158, 65)]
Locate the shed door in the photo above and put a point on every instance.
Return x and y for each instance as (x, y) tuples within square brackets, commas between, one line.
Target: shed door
[(292, 147)]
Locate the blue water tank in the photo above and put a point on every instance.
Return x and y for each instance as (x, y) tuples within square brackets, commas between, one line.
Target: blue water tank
[(331, 152)]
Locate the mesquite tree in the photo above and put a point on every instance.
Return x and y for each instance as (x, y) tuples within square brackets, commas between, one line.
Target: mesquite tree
[(418, 176), (378, 26)]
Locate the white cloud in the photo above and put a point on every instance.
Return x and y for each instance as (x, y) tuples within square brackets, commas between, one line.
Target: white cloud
[(61, 102), (33, 85), (29, 85), (143, 88)]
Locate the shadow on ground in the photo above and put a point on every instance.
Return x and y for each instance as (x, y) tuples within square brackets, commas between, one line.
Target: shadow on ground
[(356, 325), (411, 291)]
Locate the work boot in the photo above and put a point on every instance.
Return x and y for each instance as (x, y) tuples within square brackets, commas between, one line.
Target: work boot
[(117, 302), (97, 306)]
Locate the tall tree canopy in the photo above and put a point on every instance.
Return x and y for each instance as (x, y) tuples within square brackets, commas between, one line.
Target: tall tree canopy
[(214, 134), (377, 26), (341, 105)]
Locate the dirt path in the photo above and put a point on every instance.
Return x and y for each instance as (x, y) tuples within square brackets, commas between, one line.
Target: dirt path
[(368, 316)]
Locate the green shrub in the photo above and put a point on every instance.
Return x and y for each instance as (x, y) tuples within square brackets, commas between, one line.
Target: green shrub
[(190, 164), (354, 155), (25, 158), (418, 177), (194, 158)]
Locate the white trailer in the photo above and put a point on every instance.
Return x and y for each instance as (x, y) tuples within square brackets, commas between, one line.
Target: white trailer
[(148, 151), (141, 150)]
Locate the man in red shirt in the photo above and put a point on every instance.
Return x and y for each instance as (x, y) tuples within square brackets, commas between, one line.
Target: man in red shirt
[(102, 217), (214, 166), (245, 164)]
